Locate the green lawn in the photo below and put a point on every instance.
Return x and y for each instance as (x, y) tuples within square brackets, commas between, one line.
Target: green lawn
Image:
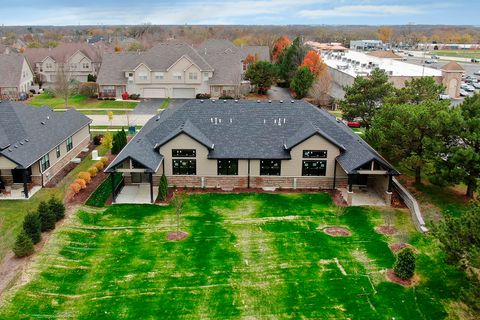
[(12, 212), (257, 256), (458, 53), (79, 102)]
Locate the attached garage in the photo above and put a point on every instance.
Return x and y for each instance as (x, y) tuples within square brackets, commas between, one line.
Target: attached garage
[(185, 93), (154, 93)]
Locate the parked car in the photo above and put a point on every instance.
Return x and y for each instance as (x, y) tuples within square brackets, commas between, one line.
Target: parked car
[(435, 57), (477, 73), (410, 54), (468, 87), (464, 93), (475, 60), (352, 123), (476, 85), (430, 61), (444, 96)]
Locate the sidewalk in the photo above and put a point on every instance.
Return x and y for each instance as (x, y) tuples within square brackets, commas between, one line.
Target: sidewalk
[(120, 120)]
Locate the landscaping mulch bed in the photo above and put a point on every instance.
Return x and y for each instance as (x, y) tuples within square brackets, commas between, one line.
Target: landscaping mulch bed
[(397, 202), (69, 167), (84, 194), (406, 283), (337, 232), (177, 236), (396, 247), (386, 230)]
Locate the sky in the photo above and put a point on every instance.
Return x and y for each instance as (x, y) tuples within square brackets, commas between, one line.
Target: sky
[(244, 12)]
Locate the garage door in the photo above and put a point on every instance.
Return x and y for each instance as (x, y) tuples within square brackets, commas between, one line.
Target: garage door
[(154, 93), (183, 93)]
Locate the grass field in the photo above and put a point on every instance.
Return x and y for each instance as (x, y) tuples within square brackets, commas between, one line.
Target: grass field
[(12, 212), (458, 53), (254, 256), (78, 102)]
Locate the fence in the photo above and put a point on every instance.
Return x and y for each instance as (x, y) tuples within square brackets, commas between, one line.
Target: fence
[(412, 204)]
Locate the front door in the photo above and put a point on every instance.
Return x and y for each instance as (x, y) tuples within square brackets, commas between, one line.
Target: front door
[(17, 175)]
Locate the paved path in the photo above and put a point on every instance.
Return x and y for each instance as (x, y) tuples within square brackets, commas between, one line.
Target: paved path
[(120, 120), (277, 93), (150, 106)]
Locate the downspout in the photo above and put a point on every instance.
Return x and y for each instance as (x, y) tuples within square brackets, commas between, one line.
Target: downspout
[(112, 176), (25, 185), (248, 177), (150, 176), (334, 174)]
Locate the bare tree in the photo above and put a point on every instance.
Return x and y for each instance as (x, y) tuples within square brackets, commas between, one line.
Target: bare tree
[(64, 85), (321, 89)]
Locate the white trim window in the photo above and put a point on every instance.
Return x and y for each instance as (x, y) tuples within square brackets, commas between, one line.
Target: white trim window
[(159, 75), (57, 151), (177, 76), (86, 65), (192, 76), (143, 76), (69, 144), (45, 162)]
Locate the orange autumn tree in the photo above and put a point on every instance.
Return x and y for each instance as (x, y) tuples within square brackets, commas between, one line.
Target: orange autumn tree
[(250, 59), (280, 45), (314, 63)]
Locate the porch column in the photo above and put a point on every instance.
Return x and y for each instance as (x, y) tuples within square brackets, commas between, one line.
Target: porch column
[(25, 183), (350, 183), (150, 177), (334, 174), (112, 179), (350, 190), (389, 188)]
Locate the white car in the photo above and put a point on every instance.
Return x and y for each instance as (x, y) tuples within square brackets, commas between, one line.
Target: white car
[(476, 85), (444, 96), (477, 73), (467, 87), (464, 93)]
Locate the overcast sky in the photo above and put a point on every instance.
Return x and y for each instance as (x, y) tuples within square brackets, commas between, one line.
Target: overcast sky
[(372, 12)]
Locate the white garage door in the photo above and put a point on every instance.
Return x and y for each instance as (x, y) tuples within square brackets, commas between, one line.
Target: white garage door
[(183, 93), (154, 93)]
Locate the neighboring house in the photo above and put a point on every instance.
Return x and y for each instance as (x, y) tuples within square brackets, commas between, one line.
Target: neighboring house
[(36, 143), (246, 144), (176, 70), (169, 69), (77, 59), (16, 76)]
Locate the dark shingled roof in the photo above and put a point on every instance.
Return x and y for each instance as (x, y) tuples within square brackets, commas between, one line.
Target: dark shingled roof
[(247, 129), (28, 133)]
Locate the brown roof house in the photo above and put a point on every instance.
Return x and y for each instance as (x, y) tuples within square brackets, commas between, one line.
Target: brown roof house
[(79, 59), (16, 76)]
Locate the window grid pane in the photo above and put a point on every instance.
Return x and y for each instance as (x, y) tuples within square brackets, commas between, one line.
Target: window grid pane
[(270, 167), (184, 153), (314, 168), (314, 153), (227, 167), (184, 167)]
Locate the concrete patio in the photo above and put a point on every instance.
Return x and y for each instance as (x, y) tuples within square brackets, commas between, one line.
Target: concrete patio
[(17, 193), (136, 193), (364, 197)]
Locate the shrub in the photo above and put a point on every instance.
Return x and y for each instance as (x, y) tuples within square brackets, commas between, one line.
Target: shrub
[(97, 140), (23, 245), (107, 140), (93, 171), (104, 161), (163, 188), (99, 165), (85, 176), (32, 227), (47, 217), (91, 78), (57, 208), (404, 267), (119, 141), (225, 98), (88, 89), (203, 96), (82, 183), (100, 196), (134, 96), (75, 187)]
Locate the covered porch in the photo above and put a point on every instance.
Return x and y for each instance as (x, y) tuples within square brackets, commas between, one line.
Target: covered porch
[(17, 183), (368, 190)]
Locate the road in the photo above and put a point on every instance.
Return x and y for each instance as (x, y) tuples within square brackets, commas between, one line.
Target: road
[(277, 93), (120, 120)]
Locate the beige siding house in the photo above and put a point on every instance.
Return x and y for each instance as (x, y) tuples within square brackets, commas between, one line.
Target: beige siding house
[(16, 76), (246, 144), (176, 70), (36, 144)]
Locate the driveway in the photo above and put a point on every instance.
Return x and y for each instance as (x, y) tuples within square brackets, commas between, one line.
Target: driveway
[(120, 120), (277, 93), (150, 106)]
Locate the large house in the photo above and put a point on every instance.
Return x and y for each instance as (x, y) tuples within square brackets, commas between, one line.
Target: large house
[(77, 60), (176, 70), (16, 76), (252, 144), (36, 143)]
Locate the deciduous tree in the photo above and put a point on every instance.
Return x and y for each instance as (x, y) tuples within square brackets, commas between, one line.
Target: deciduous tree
[(314, 63), (417, 91), (385, 34), (262, 75), (280, 45)]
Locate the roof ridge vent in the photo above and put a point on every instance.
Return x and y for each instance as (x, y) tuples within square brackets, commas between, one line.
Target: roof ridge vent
[(269, 101), (43, 122), (236, 100), (281, 101), (292, 101), (258, 101), (201, 101), (213, 100), (224, 101)]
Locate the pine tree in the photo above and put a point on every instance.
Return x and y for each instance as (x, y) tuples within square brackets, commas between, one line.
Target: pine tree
[(163, 188), (32, 226), (57, 208), (23, 245), (47, 217), (404, 267)]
